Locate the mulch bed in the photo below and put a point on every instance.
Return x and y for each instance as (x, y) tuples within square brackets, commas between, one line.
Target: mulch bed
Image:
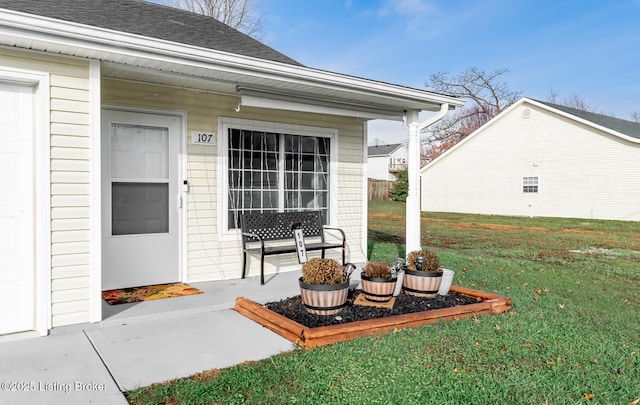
[(293, 309)]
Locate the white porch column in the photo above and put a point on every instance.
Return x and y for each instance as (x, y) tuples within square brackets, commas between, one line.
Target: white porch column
[(413, 163), (413, 197)]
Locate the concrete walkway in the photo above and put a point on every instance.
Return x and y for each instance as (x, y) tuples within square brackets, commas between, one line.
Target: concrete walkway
[(141, 344), (57, 369)]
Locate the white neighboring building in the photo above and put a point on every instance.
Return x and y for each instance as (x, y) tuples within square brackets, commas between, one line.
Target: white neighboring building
[(540, 159), (385, 161)]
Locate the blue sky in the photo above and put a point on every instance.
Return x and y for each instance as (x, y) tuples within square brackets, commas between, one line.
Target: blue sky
[(590, 48), (584, 47)]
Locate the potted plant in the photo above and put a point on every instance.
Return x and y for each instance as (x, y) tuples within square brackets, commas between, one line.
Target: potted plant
[(422, 274), (378, 281), (324, 285)]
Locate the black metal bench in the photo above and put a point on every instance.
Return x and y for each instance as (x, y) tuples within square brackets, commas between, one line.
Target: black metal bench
[(258, 228)]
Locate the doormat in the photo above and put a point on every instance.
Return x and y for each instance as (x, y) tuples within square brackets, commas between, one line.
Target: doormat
[(148, 293), (361, 300)]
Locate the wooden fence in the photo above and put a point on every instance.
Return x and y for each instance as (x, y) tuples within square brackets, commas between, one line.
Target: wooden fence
[(379, 189)]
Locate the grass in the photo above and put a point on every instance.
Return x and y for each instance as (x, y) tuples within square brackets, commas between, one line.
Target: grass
[(572, 337)]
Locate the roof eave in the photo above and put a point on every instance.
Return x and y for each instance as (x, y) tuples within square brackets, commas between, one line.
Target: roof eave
[(581, 120), (68, 38)]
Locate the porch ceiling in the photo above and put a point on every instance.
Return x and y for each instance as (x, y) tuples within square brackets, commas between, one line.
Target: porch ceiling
[(354, 99), (192, 80), (265, 92)]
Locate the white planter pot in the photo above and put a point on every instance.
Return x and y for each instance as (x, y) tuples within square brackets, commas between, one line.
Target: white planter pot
[(399, 283), (447, 280)]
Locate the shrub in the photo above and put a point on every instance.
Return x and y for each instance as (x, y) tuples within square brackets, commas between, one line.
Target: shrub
[(377, 269), (431, 261), (323, 271), (400, 188)]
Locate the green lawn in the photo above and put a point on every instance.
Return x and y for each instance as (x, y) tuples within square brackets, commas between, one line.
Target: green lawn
[(572, 337)]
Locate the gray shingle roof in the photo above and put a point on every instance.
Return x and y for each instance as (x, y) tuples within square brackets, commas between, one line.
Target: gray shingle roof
[(383, 150), (624, 127), (151, 20)]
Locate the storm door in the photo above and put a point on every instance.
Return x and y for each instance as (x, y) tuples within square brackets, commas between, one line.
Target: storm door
[(141, 201)]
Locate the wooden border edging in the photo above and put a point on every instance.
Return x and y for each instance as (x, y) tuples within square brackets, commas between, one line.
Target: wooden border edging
[(489, 304)]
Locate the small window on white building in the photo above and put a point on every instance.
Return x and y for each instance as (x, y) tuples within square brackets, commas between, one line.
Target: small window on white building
[(530, 184)]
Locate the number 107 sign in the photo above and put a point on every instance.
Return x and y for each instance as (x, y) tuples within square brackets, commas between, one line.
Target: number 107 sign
[(301, 249), (203, 138)]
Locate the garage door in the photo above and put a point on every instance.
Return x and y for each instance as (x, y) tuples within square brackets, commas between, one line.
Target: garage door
[(17, 294)]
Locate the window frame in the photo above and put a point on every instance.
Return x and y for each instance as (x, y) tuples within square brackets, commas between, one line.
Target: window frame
[(530, 188), (226, 123)]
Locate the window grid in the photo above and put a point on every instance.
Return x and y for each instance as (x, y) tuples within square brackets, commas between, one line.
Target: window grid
[(530, 184), (271, 172), (307, 174)]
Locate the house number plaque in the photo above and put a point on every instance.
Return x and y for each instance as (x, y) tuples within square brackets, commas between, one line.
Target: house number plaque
[(298, 237), (203, 138)]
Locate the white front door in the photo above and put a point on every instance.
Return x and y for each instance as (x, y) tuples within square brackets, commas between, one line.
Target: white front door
[(17, 264), (141, 201)]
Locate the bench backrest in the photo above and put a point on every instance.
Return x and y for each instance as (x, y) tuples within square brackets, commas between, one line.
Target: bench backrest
[(277, 225)]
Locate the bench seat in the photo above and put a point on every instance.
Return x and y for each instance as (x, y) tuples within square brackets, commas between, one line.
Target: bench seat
[(276, 250)]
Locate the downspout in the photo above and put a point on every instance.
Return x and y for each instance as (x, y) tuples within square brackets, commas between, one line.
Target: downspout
[(413, 162)]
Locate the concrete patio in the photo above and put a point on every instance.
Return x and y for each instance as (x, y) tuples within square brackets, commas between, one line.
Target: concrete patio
[(139, 344)]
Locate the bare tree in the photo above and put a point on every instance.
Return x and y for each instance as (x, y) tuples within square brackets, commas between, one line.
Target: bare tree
[(573, 101), (243, 15), (635, 116), (487, 96)]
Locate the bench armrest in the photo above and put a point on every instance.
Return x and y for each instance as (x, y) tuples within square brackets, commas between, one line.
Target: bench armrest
[(328, 228), (246, 235)]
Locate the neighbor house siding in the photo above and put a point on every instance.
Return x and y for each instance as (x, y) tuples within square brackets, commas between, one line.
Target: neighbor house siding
[(209, 257), (583, 172), (379, 166), (70, 174)]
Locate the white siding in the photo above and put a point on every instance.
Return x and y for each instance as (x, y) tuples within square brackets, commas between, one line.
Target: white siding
[(208, 257), (378, 168), (583, 172), (398, 158), (69, 91)]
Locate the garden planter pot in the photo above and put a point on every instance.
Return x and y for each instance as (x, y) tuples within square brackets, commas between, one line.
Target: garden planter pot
[(378, 289), (322, 299), (447, 280), (421, 283)]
